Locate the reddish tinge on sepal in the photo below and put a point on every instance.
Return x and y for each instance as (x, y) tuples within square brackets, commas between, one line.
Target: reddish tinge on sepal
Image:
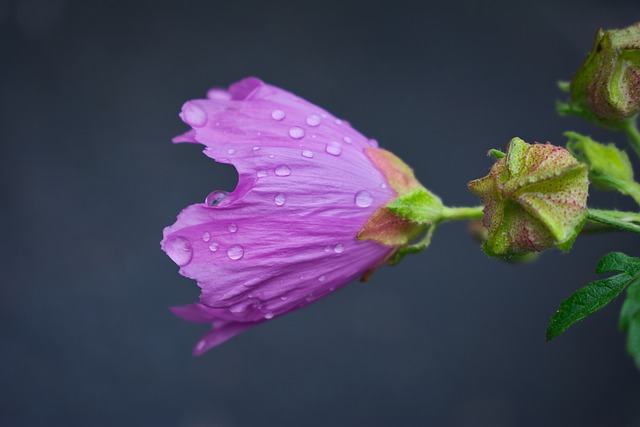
[(534, 198)]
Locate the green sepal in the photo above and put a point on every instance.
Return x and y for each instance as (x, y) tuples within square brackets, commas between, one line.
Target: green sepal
[(419, 206), (497, 153)]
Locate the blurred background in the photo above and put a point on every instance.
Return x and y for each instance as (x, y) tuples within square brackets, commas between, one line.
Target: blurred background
[(89, 97)]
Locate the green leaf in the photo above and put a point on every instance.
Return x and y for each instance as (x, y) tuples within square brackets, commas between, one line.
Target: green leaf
[(419, 206), (631, 306), (630, 320), (586, 301), (617, 261)]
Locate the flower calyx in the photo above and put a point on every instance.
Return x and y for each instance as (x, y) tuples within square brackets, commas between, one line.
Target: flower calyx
[(606, 87), (414, 211), (534, 198)]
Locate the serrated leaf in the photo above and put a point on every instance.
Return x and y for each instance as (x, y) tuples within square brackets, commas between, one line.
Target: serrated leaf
[(586, 301), (618, 261)]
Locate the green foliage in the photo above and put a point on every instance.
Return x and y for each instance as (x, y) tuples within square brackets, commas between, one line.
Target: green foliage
[(609, 167), (599, 293)]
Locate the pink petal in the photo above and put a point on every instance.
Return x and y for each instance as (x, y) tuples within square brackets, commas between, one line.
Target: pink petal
[(287, 234)]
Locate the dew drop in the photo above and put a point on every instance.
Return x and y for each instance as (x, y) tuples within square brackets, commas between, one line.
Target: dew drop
[(279, 199), (235, 252), (268, 316), (206, 236), (278, 115), (338, 122), (179, 250), (363, 199), (272, 156), (256, 148), (233, 228), (194, 115), (327, 248), (339, 248), (231, 151), (262, 174), (322, 278), (284, 297), (306, 153), (346, 139), (296, 132), (283, 170), (334, 148), (238, 308), (215, 197), (313, 120), (213, 247)]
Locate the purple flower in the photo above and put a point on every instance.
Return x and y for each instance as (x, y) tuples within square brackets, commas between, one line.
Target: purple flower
[(287, 235)]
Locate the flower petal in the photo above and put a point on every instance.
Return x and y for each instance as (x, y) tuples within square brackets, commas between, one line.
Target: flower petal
[(287, 234)]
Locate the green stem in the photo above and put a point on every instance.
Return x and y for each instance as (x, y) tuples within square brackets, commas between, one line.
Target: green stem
[(449, 214), (631, 129), (623, 221)]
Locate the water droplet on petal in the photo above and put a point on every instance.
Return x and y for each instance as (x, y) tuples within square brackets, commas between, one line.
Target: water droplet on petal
[(262, 174), (278, 115), (272, 156), (339, 248), (231, 151), (215, 197), (334, 148), (179, 250), (206, 236), (233, 228), (256, 148), (338, 122), (235, 252), (268, 315), (308, 154), (327, 248), (313, 120), (194, 115), (347, 139), (322, 278), (284, 297), (296, 132), (279, 199), (213, 247), (283, 170), (238, 308), (363, 199)]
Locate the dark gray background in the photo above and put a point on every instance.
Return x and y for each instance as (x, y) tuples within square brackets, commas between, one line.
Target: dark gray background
[(89, 96)]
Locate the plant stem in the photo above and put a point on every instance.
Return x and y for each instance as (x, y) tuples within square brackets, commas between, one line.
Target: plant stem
[(631, 129), (623, 221), (461, 213)]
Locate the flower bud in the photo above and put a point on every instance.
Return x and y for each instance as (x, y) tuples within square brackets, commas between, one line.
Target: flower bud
[(535, 198), (607, 84)]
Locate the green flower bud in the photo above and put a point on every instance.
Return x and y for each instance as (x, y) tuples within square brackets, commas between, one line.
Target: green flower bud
[(606, 87), (535, 198)]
